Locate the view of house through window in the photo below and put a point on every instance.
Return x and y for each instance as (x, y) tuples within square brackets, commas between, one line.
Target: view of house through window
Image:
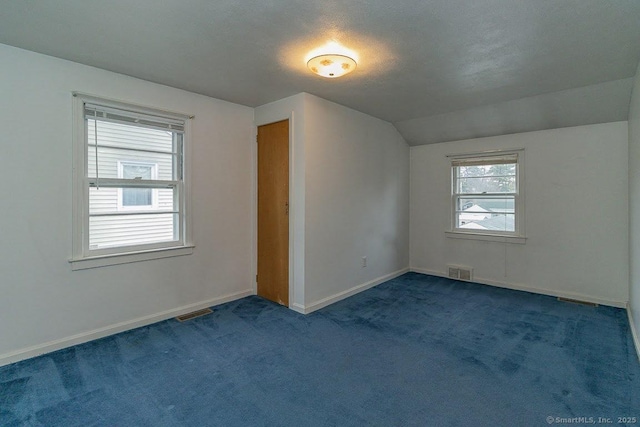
[(485, 193)]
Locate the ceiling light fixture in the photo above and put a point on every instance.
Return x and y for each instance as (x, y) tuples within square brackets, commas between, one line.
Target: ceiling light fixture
[(331, 65)]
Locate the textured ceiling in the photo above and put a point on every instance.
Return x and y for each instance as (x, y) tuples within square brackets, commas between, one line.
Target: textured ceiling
[(426, 66)]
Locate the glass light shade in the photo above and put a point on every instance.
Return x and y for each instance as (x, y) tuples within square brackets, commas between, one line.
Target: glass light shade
[(331, 65)]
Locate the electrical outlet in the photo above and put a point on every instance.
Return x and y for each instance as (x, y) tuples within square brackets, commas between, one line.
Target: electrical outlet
[(364, 261)]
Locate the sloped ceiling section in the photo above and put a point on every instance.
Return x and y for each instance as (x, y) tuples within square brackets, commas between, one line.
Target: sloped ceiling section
[(601, 103), (438, 69)]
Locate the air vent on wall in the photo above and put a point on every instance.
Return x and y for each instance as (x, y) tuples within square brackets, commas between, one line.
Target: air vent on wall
[(459, 272)]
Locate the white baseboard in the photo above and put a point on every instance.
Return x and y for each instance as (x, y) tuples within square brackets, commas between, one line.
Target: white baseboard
[(541, 291), (634, 331), (40, 349), (297, 308), (346, 294)]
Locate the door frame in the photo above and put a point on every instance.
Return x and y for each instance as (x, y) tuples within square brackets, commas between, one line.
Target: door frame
[(293, 209)]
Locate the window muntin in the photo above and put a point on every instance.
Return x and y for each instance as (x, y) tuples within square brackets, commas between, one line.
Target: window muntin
[(485, 194), (132, 195)]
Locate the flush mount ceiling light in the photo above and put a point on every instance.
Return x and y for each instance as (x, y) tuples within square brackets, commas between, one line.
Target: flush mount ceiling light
[(331, 65)]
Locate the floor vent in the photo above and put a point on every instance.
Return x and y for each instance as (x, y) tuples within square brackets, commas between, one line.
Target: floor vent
[(577, 301), (460, 273), (193, 315)]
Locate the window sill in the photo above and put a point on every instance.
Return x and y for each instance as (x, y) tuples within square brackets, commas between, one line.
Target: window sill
[(486, 237), (128, 257)]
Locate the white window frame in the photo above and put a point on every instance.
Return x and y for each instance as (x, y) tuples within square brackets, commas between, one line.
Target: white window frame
[(154, 192), (83, 256), (516, 236)]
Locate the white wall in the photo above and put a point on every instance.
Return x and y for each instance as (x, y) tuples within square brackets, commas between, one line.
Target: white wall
[(576, 214), (349, 199), (357, 201), (634, 208), (43, 304)]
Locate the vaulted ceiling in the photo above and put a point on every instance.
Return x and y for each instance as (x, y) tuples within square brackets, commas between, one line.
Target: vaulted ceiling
[(439, 70)]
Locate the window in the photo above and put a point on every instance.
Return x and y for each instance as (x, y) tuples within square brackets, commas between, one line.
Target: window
[(486, 194), (137, 198), (129, 184)]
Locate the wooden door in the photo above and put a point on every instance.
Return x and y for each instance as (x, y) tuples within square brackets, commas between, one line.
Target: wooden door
[(273, 212)]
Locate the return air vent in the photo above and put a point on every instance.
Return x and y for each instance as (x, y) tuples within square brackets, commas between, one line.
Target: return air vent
[(459, 272), (577, 301), (193, 315)]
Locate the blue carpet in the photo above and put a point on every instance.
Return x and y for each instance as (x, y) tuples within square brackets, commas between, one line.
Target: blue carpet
[(415, 351)]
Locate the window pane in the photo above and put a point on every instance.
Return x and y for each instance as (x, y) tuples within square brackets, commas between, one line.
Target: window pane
[(104, 200), (494, 184), (129, 230), (165, 198), (491, 205), (110, 158), (486, 170), (494, 223), (498, 178), (137, 197), (489, 213), (126, 136), (133, 171)]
